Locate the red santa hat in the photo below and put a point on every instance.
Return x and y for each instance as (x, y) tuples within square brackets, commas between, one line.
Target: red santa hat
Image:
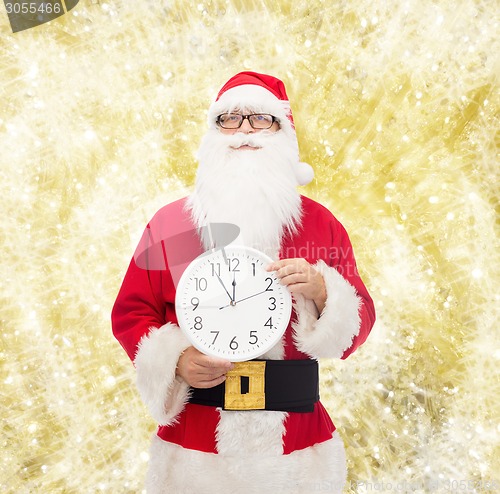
[(260, 93)]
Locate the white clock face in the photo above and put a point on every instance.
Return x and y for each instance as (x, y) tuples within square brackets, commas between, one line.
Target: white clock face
[(229, 306)]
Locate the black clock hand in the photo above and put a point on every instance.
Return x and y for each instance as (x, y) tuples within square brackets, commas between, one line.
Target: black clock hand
[(241, 300), (234, 286), (250, 296), (224, 286)]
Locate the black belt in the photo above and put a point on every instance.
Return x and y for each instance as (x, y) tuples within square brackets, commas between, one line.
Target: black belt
[(280, 385)]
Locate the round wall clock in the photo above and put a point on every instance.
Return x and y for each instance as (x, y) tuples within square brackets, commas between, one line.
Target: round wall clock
[(229, 306)]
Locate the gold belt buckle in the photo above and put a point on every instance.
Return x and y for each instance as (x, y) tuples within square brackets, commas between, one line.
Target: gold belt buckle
[(255, 399)]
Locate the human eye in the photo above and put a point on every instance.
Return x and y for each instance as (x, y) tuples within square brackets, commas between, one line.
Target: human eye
[(261, 120)]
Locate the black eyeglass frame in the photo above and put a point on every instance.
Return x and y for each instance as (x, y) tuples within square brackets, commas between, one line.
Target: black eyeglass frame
[(243, 117)]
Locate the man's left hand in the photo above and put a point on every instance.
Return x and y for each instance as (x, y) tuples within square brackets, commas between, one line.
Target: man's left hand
[(300, 277)]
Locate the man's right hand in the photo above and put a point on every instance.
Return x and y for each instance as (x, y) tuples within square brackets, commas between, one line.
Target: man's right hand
[(200, 370)]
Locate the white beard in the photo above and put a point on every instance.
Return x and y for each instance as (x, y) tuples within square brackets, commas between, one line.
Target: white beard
[(252, 189)]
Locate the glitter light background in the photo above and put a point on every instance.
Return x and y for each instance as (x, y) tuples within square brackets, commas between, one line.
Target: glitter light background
[(396, 105)]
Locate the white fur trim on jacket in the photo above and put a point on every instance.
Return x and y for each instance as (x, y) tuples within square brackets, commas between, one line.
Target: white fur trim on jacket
[(164, 393), (332, 333), (174, 469), (251, 433)]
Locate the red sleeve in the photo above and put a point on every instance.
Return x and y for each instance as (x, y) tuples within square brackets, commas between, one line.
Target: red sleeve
[(139, 306), (345, 263)]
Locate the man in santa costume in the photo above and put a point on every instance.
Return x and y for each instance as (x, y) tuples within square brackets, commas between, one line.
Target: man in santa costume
[(248, 174)]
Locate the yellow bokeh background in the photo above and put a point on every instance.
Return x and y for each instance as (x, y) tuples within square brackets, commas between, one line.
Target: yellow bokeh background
[(397, 108)]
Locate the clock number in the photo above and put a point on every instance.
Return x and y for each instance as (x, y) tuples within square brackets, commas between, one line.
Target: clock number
[(233, 264), (215, 268), (233, 344), (253, 268), (269, 289), (195, 301), (201, 284), (269, 323), (253, 336), (198, 323), (272, 300), (216, 334)]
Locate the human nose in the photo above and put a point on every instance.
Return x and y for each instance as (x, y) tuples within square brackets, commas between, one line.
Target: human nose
[(245, 126)]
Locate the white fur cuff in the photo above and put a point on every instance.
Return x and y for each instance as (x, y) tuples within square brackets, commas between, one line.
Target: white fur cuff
[(164, 393), (332, 334)]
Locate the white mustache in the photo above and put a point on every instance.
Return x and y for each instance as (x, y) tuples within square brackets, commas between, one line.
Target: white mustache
[(239, 139)]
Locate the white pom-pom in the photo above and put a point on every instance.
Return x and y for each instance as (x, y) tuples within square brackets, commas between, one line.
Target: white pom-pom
[(303, 173)]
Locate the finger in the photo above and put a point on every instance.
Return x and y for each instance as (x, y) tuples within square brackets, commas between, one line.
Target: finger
[(291, 279), (298, 269), (296, 265), (210, 383), (215, 364), (276, 265), (205, 374), (299, 289)]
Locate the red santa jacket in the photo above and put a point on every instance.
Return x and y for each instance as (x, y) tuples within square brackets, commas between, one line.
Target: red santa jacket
[(145, 323)]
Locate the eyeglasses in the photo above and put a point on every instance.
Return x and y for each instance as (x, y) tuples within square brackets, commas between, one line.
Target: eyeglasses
[(235, 120)]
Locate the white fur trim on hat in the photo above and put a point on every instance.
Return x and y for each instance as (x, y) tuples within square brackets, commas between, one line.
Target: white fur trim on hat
[(255, 98), (164, 393)]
